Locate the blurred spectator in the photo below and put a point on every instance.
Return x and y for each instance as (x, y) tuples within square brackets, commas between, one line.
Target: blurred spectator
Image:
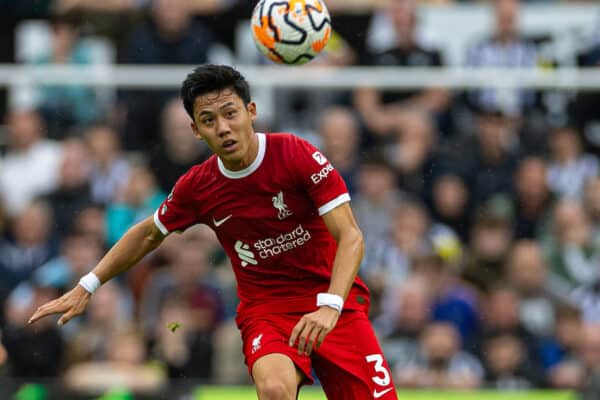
[(124, 367), (31, 165), (30, 246), (451, 300), (188, 278), (187, 352), (65, 107), (490, 239), (559, 353), (501, 316), (179, 149), (380, 110), (533, 199), (115, 18), (407, 313), (109, 169), (79, 253), (390, 262), (340, 141), (450, 203), (110, 312), (33, 351), (491, 159), (73, 192), (297, 109), (109, 18), (138, 199), (506, 48), (90, 220), (527, 272), (569, 249), (507, 365), (445, 244), (408, 310), (412, 152), (228, 360), (375, 200), (351, 21), (338, 52), (171, 36), (570, 168), (439, 363), (184, 294), (568, 376)]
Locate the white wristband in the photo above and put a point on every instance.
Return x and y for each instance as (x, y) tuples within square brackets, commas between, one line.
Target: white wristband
[(90, 282), (330, 300)]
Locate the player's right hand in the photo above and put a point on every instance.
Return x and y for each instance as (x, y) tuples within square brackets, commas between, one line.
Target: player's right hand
[(312, 328), (70, 304)]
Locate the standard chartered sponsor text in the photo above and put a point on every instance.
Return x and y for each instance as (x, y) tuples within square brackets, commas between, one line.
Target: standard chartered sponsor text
[(286, 241)]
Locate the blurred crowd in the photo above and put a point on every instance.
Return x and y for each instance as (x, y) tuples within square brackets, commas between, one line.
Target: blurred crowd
[(480, 208)]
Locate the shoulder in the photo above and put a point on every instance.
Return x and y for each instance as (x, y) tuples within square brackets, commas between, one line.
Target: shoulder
[(282, 137), (200, 174), (287, 144), (292, 152), (287, 139)]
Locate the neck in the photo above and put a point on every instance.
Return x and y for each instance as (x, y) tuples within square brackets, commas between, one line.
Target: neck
[(248, 158), (505, 37)]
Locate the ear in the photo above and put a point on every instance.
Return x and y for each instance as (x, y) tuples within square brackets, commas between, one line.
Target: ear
[(196, 131), (251, 107)]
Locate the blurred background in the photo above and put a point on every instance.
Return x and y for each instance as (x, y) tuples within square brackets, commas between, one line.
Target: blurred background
[(478, 194)]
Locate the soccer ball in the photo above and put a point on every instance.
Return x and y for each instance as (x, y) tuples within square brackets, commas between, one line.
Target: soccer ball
[(291, 31)]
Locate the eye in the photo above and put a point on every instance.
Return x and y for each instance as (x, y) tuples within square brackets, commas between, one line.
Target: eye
[(206, 121), (230, 113)]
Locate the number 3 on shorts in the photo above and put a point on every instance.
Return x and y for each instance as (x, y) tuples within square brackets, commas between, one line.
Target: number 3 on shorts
[(384, 378)]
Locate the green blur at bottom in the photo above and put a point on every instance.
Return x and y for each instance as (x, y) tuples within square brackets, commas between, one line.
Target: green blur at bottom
[(312, 393)]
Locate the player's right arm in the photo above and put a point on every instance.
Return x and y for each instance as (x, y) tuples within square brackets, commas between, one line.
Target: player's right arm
[(138, 241)]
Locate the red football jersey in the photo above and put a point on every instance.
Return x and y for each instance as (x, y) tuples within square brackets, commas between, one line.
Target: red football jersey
[(268, 219)]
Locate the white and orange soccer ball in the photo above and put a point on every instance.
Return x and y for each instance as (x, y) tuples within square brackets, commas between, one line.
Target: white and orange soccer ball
[(291, 31)]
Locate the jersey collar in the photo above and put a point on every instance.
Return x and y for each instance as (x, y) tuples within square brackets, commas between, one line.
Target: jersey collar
[(262, 146)]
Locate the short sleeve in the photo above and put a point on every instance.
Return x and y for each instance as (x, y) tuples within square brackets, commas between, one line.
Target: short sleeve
[(177, 212), (321, 180)]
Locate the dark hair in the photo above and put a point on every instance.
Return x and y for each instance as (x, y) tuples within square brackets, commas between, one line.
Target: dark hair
[(72, 19), (210, 78)]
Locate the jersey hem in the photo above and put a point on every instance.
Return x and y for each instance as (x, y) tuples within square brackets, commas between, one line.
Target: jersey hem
[(341, 199), (159, 224)]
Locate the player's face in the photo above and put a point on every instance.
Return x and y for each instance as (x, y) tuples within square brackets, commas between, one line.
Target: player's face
[(225, 123)]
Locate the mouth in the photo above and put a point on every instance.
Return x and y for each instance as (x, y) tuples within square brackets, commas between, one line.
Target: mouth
[(229, 145)]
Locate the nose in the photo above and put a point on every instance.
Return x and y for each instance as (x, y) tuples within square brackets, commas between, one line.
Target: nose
[(222, 127)]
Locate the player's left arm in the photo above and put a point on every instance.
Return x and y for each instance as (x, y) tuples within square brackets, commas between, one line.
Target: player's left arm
[(312, 328), (343, 227)]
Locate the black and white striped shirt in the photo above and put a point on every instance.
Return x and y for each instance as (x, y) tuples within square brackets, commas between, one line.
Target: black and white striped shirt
[(492, 53)]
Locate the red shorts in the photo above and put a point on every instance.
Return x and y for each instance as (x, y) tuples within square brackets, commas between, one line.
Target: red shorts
[(349, 363)]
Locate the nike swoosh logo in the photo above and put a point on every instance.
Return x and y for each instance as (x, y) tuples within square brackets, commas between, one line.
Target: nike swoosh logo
[(377, 394), (221, 221)]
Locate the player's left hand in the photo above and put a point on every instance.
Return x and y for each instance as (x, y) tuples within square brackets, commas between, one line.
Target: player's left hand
[(312, 328)]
